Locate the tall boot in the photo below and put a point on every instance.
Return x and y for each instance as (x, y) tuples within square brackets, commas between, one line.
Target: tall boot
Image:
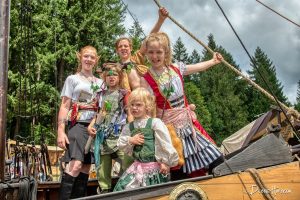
[(66, 186), (80, 186)]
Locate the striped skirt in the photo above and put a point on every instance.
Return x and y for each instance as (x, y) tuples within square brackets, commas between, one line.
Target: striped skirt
[(198, 151)]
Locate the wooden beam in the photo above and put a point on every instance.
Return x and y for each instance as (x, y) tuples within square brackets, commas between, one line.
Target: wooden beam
[(4, 38)]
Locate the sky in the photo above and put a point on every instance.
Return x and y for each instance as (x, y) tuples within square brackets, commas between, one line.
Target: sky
[(256, 26)]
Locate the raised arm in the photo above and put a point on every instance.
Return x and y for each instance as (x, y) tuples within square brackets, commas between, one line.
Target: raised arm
[(162, 16), (202, 66)]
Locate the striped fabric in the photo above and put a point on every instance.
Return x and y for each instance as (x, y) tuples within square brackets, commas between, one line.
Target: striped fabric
[(197, 154)]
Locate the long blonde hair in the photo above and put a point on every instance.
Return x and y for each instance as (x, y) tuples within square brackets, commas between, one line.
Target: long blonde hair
[(163, 39), (82, 50), (142, 94)]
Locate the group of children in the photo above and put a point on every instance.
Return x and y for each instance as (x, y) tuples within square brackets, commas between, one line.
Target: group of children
[(138, 114)]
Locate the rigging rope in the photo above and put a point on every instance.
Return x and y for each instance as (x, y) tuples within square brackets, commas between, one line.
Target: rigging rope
[(132, 16), (278, 13), (267, 94), (272, 96)]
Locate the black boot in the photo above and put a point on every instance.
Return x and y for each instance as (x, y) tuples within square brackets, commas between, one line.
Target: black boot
[(66, 185), (80, 186)]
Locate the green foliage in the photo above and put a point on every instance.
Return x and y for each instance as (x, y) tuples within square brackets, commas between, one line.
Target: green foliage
[(180, 51), (44, 37), (263, 69), (297, 104), (137, 35), (222, 91), (194, 96)]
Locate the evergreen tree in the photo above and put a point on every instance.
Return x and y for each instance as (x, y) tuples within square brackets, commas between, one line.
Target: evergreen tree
[(44, 38), (180, 51), (193, 59), (137, 35), (297, 105), (263, 68), (223, 92)]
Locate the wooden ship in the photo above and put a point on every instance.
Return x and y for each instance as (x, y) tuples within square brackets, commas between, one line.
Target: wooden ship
[(261, 159)]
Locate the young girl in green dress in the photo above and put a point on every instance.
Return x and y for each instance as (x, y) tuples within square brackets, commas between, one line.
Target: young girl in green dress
[(146, 139)]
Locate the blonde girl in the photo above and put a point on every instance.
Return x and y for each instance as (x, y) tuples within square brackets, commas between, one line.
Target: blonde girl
[(165, 81), (147, 140)]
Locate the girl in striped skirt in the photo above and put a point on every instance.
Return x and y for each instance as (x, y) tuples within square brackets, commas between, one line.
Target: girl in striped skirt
[(165, 81)]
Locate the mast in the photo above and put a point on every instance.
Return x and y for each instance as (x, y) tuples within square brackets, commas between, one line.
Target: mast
[(4, 38)]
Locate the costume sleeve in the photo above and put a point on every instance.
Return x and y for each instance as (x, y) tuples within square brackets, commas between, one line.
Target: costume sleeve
[(181, 66), (68, 88), (164, 150), (139, 59), (123, 141)]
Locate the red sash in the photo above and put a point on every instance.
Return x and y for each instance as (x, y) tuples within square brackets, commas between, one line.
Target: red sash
[(161, 99)]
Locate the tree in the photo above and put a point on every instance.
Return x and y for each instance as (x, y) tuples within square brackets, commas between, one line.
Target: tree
[(223, 92), (297, 104), (180, 51), (192, 59), (44, 38), (137, 35), (194, 96), (264, 74)]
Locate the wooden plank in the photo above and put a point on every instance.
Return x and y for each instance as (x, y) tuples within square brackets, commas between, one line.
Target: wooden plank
[(283, 182)]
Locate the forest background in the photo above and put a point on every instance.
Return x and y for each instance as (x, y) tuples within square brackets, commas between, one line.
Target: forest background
[(45, 35)]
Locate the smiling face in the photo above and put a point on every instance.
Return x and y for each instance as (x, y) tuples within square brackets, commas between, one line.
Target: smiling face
[(156, 54), (158, 50), (123, 48), (87, 59)]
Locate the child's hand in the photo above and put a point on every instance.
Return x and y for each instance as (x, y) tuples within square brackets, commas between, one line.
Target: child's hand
[(163, 13), (138, 139), (164, 169), (92, 131), (217, 58)]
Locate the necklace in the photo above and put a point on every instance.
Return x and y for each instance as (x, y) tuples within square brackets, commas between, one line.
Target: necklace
[(158, 75), (168, 87), (91, 79)]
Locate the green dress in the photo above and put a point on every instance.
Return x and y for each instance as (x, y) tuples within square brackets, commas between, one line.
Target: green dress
[(145, 170)]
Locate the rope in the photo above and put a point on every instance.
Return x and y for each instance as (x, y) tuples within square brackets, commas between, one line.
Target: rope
[(132, 16), (259, 182), (238, 175), (223, 61), (278, 13), (271, 97)]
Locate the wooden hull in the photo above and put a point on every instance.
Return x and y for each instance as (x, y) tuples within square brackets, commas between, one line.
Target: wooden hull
[(282, 182)]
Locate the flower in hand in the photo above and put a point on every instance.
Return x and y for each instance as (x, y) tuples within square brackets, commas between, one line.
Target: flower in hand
[(138, 139)]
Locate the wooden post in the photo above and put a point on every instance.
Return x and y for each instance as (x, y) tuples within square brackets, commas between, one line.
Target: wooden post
[(4, 37)]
